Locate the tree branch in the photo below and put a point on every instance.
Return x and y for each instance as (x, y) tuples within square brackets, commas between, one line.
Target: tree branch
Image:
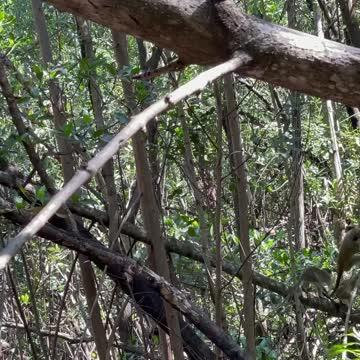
[(210, 32), (191, 251), (86, 172), (141, 284)]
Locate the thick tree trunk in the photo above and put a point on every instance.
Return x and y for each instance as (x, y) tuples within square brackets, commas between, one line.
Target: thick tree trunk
[(203, 33)]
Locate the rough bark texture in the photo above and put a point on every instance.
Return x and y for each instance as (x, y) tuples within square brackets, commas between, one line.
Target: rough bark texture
[(203, 33), (353, 38), (296, 232)]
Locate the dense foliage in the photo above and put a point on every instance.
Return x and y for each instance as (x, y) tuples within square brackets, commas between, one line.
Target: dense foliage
[(39, 285)]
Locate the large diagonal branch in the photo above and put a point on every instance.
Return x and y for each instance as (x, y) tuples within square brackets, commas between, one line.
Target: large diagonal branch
[(90, 169), (146, 287), (142, 284), (189, 250), (209, 32)]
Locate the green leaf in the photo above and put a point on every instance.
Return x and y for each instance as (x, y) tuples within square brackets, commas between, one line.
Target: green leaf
[(68, 129), (19, 202), (2, 16), (98, 133), (111, 68), (192, 231), (87, 119), (41, 194), (39, 73), (75, 198), (25, 299)]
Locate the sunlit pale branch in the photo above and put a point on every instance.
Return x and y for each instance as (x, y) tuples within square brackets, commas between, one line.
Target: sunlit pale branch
[(89, 170)]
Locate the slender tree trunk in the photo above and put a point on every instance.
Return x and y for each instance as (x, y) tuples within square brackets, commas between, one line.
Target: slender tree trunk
[(339, 226), (242, 214), (33, 300), (219, 313), (296, 227), (297, 173), (200, 200), (348, 13), (149, 205), (337, 168), (297, 176), (151, 126), (87, 52), (68, 167)]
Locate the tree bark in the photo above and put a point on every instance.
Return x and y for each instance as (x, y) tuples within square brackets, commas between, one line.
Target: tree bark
[(203, 33), (182, 248), (352, 25), (88, 53), (352, 38), (220, 315), (338, 223)]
